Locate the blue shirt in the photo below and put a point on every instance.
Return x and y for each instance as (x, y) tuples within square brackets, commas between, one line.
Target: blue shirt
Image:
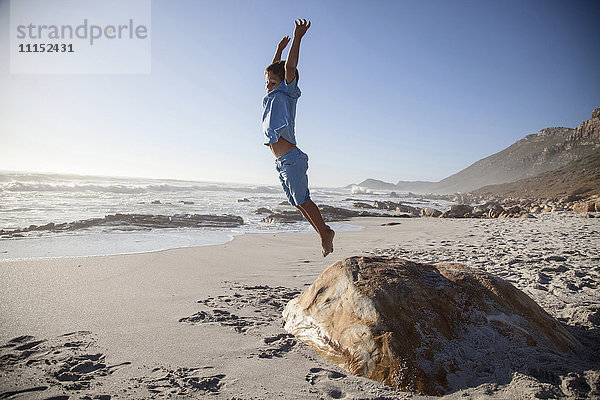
[(279, 112)]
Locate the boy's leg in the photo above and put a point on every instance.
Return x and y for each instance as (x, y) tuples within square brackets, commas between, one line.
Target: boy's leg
[(307, 217), (294, 180), (313, 216)]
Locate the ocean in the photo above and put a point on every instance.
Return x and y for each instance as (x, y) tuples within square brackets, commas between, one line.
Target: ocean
[(51, 215)]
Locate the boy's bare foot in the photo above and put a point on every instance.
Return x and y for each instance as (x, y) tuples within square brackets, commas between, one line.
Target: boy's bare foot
[(327, 242)]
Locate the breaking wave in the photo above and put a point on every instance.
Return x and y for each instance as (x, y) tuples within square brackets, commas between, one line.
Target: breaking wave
[(128, 189), (355, 189)]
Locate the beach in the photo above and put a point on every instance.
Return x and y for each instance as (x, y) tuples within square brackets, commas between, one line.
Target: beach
[(189, 322), (158, 202)]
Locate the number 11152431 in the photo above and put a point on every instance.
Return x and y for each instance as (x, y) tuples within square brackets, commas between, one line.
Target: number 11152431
[(46, 48)]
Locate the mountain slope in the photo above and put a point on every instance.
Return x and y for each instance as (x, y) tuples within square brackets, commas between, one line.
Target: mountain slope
[(579, 177), (548, 150), (528, 157)]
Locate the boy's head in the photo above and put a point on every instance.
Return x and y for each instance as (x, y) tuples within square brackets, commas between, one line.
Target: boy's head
[(275, 74)]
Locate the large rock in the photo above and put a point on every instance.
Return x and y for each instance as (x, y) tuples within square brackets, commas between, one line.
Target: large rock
[(587, 206), (385, 205), (360, 204), (330, 213), (493, 210), (283, 217), (430, 212), (432, 329), (458, 211), (404, 208)]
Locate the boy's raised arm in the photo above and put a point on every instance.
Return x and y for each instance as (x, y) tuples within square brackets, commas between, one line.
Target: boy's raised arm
[(282, 43), (292, 59)]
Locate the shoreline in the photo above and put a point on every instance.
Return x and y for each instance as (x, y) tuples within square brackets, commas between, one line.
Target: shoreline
[(170, 314), (211, 238), (133, 252)]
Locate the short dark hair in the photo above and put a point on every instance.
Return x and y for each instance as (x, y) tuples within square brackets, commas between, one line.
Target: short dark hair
[(278, 68)]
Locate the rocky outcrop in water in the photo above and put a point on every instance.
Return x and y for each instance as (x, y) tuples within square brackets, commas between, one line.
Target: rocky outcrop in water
[(470, 206), (134, 222), (283, 217), (329, 214), (398, 207), (360, 204), (430, 212), (458, 211), (431, 329), (263, 210), (487, 210)]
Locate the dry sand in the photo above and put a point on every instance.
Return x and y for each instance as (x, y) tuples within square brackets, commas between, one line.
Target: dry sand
[(201, 321)]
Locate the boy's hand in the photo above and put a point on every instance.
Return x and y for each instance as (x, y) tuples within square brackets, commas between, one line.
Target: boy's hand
[(301, 27), (292, 59), (280, 46), (283, 43)]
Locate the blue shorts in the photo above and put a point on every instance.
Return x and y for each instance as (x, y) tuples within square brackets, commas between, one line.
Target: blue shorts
[(292, 167)]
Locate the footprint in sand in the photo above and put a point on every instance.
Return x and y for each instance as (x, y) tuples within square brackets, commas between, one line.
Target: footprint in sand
[(224, 318), (66, 360), (183, 381), (269, 300), (324, 380), (280, 344), (264, 301)]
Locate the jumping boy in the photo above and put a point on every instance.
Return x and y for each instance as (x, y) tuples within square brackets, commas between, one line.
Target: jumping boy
[(279, 115)]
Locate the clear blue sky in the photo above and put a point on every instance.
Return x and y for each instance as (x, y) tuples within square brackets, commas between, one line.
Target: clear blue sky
[(392, 90)]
